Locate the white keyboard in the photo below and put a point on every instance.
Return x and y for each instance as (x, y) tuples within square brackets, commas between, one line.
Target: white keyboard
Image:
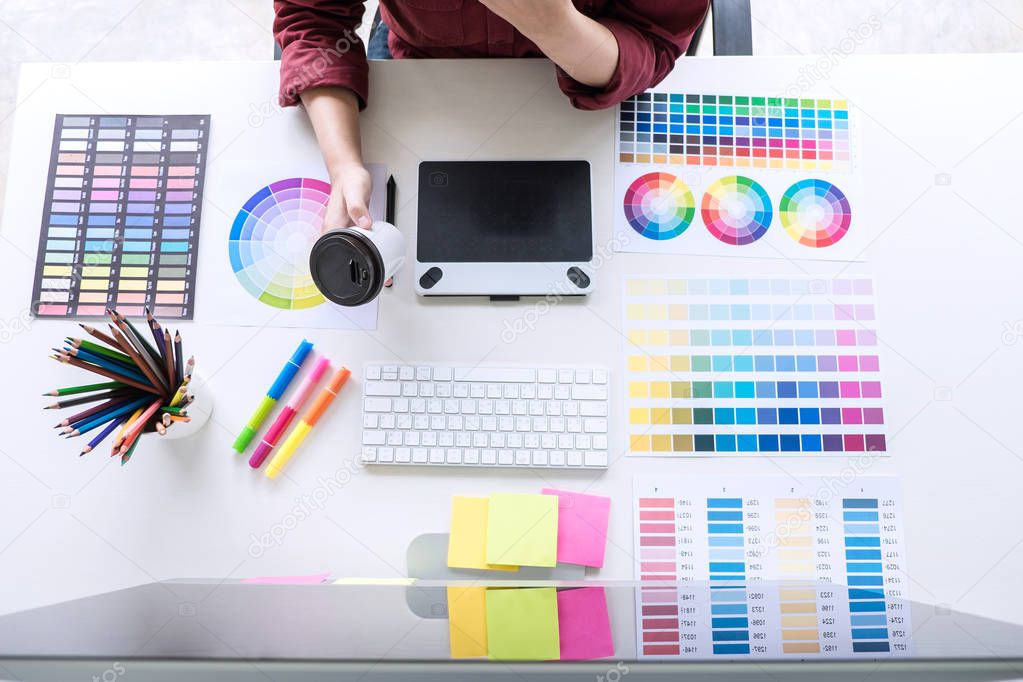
[(444, 415)]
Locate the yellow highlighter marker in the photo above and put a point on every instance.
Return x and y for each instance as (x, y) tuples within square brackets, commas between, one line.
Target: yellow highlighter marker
[(307, 422)]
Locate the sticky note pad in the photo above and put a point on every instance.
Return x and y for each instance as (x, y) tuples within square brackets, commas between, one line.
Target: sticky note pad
[(584, 624), (582, 527), (522, 624), (522, 530), (467, 544), (467, 621)]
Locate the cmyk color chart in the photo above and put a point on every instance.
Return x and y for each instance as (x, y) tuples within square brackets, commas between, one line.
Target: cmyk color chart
[(120, 226), (747, 175), (744, 365), (770, 567)]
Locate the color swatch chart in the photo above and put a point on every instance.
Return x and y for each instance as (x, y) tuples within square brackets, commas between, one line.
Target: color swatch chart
[(769, 567), (120, 224), (752, 366), (743, 131)]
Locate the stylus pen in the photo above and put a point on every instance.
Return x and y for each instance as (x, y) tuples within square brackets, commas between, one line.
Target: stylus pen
[(283, 420), (307, 423), (272, 396)]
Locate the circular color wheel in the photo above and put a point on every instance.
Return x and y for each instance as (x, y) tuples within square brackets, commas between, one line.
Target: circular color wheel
[(659, 206), (271, 238), (736, 210), (815, 213)]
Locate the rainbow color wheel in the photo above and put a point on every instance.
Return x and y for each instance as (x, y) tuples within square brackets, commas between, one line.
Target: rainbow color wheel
[(271, 238), (736, 210), (659, 206), (815, 213)]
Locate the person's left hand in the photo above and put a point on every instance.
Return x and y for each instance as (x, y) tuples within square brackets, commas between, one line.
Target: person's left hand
[(530, 16)]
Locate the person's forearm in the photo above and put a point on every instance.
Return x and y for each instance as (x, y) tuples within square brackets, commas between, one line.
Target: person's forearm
[(334, 113), (585, 49)]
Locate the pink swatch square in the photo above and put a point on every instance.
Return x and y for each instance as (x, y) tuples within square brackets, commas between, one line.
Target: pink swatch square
[(583, 624), (867, 337), (871, 389), (849, 389), (846, 337), (852, 415), (873, 415), (847, 363), (582, 527)]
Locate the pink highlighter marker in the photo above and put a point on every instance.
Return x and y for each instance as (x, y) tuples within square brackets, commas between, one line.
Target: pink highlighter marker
[(280, 425)]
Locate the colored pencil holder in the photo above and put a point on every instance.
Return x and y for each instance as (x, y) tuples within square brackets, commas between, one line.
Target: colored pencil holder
[(199, 411)]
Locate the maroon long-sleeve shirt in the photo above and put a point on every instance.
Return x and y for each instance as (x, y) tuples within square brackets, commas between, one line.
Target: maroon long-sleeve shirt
[(321, 47)]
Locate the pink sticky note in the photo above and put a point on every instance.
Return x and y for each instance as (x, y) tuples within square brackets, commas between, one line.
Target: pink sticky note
[(583, 625), (288, 579), (582, 527)]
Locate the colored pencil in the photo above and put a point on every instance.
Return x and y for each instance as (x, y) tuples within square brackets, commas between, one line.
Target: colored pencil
[(307, 423), (98, 438), (103, 361), (96, 348), (179, 359), (91, 398), (157, 332), (134, 431), (168, 357), (106, 416), (276, 390), (126, 456), (130, 334), (179, 395), (86, 414), (125, 325), (107, 373), (85, 388), (143, 363), (99, 335), (283, 420), (189, 366), (172, 410)]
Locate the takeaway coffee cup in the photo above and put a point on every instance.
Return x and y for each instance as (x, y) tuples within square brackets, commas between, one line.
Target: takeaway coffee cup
[(350, 265)]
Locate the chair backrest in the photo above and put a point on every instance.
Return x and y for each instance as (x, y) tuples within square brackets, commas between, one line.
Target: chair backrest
[(733, 28)]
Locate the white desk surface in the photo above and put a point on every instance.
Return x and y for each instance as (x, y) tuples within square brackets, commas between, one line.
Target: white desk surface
[(945, 256)]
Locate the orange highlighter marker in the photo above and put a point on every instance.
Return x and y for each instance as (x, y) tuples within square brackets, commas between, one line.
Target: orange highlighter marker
[(307, 422)]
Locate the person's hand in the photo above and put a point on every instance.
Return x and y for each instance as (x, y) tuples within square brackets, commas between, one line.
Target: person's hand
[(531, 16), (350, 188)]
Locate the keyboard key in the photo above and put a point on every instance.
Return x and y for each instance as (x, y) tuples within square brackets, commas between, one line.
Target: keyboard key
[(373, 437), (600, 376), (373, 372), (593, 408), (406, 373), (388, 388), (575, 459), (385, 455), (377, 404), (595, 425), (369, 454), (596, 459), (591, 392)]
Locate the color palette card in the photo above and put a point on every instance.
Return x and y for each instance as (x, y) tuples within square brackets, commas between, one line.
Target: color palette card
[(770, 567), (259, 261), (731, 366), (120, 226), (700, 172)]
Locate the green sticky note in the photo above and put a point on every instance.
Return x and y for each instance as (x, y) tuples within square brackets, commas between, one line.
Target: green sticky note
[(522, 624), (522, 530)]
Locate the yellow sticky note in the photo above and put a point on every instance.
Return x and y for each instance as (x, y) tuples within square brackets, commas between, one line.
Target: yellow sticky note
[(467, 544), (467, 621), (522, 529), (522, 624)]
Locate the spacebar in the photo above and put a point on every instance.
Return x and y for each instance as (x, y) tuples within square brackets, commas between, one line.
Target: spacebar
[(496, 375)]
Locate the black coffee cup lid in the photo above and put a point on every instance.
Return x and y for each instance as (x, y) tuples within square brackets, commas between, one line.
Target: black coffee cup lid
[(346, 267)]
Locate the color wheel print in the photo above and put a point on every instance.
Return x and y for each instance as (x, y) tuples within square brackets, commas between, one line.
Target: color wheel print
[(815, 213), (271, 239), (659, 206), (736, 210)]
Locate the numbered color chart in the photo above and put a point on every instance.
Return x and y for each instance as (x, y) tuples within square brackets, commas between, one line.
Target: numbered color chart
[(700, 129), (752, 366), (770, 567), (120, 224)]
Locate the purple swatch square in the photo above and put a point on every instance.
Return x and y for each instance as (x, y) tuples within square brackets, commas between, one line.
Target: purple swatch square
[(829, 389), (825, 337), (863, 287), (875, 443), (844, 311), (827, 363), (831, 415), (867, 337), (873, 415), (871, 389), (864, 312), (869, 363), (832, 442), (842, 287)]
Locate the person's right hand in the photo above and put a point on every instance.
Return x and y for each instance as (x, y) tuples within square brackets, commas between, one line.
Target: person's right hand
[(350, 188)]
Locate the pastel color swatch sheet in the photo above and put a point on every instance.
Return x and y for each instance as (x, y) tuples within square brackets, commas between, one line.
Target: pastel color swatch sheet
[(522, 530), (467, 544), (773, 567), (584, 624), (467, 621), (522, 624), (120, 226), (743, 366), (582, 527)]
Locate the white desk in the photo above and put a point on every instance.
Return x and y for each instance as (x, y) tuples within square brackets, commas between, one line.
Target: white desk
[(946, 260)]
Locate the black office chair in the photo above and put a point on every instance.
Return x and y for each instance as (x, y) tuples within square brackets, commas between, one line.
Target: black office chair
[(733, 29)]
